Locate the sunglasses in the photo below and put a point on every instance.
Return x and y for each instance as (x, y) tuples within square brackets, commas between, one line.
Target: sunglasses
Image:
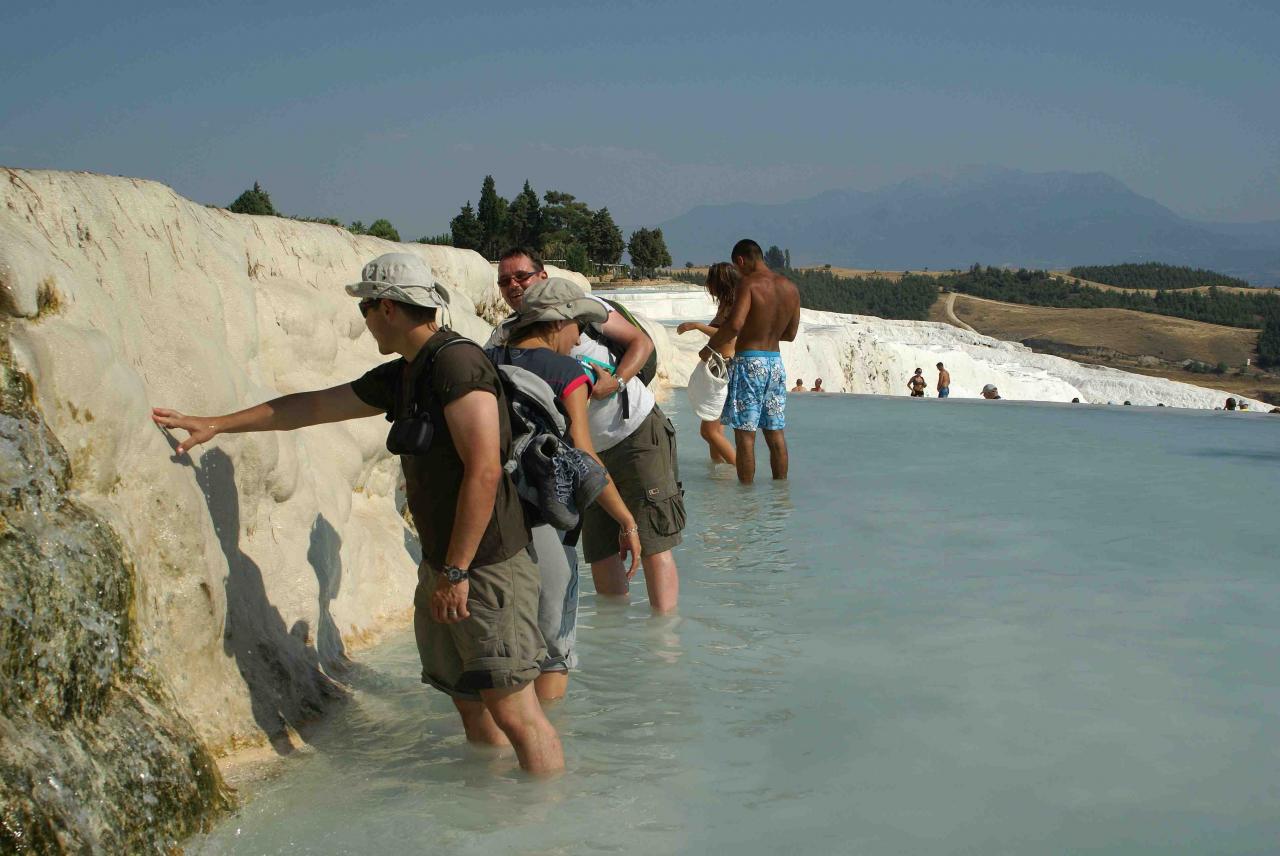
[(366, 305), (520, 276)]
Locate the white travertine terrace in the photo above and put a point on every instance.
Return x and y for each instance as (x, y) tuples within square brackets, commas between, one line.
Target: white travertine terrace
[(864, 354), (122, 295)]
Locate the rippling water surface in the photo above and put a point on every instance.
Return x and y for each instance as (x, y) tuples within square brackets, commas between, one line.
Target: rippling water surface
[(962, 627)]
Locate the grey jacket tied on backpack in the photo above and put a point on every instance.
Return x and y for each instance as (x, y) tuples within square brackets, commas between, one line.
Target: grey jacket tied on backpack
[(555, 480)]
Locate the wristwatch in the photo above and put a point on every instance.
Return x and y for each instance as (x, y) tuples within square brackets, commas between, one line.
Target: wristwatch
[(453, 573)]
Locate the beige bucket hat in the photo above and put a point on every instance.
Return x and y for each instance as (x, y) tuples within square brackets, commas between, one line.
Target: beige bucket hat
[(402, 277), (557, 299)]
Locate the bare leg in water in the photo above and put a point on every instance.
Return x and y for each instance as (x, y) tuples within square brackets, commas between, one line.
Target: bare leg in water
[(721, 449), (779, 460), (660, 578), (513, 717)]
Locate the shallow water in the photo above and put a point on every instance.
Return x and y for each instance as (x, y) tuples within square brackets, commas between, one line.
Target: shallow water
[(962, 626)]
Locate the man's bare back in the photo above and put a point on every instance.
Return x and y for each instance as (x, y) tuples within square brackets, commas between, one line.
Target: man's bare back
[(765, 311), (772, 311)]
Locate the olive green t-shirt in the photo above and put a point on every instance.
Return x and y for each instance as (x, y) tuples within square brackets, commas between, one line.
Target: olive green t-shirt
[(434, 479)]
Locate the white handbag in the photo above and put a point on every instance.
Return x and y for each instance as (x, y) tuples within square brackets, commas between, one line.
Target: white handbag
[(708, 387)]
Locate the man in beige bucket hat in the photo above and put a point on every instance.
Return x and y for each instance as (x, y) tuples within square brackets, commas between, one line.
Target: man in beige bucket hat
[(475, 607)]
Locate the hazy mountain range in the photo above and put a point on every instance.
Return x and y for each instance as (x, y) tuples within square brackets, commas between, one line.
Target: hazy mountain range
[(990, 215)]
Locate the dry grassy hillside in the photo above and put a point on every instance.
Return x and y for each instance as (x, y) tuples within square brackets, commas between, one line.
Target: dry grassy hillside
[(1133, 341)]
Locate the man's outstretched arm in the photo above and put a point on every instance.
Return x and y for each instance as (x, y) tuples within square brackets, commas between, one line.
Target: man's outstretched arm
[(285, 413)]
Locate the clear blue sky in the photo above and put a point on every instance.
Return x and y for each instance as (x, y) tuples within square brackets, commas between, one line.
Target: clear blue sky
[(649, 108)]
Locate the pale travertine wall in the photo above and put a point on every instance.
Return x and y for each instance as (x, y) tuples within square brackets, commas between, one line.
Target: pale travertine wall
[(863, 354), (264, 556)]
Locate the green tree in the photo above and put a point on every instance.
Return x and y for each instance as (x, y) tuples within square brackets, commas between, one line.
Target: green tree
[(788, 260), (565, 220), (356, 227), (492, 214), (382, 228), (605, 244), (648, 250), (444, 239), (524, 219), (575, 258), (255, 201), (775, 258), (466, 230)]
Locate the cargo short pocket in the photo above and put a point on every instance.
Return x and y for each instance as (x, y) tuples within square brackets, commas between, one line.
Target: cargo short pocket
[(487, 634), (664, 510)]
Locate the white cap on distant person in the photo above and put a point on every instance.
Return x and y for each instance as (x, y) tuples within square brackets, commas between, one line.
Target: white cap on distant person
[(991, 387), (402, 277)]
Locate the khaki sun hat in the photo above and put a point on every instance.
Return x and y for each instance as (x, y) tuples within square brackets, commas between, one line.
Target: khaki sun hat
[(557, 299), (402, 277)]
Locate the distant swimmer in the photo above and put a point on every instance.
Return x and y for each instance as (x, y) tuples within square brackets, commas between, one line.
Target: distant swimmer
[(722, 284), (918, 384), (990, 392), (817, 386), (799, 387), (1231, 404), (944, 382), (765, 311)]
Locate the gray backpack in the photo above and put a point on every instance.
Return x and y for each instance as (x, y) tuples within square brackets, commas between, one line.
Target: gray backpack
[(556, 481)]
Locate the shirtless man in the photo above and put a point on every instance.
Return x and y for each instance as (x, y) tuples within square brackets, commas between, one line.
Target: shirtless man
[(765, 311), (799, 387), (944, 382)]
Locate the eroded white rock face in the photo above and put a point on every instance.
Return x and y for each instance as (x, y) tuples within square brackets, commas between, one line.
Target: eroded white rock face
[(863, 354), (123, 296)]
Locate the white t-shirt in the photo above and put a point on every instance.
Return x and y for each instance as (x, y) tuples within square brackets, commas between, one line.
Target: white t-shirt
[(608, 427)]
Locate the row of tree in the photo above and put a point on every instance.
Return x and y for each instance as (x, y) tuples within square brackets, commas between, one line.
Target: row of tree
[(909, 298), (1155, 275), (559, 226), (1040, 288), (257, 201)]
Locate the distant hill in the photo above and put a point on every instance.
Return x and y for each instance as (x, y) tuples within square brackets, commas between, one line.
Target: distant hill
[(988, 214), (1154, 275)]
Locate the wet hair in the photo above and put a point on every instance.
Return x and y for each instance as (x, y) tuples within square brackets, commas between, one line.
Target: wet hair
[(939, 365), (722, 283), (1231, 404), (747, 249), (1075, 401), (1128, 404), (512, 252), (919, 370)]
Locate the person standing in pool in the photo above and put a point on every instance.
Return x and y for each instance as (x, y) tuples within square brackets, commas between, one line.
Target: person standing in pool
[(766, 311), (799, 387), (722, 284), (636, 443), (539, 340), (817, 385), (475, 607), (944, 382), (917, 384)]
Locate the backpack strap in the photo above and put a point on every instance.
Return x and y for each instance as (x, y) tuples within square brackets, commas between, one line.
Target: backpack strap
[(407, 405)]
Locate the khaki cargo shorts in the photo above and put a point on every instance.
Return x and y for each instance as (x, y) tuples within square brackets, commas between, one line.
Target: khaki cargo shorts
[(498, 647), (643, 468)]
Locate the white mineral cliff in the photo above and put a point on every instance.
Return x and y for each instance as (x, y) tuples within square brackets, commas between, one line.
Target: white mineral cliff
[(863, 354), (262, 556)]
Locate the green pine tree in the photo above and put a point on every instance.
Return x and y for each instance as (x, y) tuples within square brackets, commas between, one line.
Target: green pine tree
[(255, 201)]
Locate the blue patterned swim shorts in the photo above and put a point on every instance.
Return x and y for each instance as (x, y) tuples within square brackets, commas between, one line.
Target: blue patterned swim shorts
[(757, 392)]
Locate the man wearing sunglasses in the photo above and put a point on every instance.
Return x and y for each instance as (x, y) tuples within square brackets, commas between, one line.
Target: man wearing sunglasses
[(476, 604), (636, 444)]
